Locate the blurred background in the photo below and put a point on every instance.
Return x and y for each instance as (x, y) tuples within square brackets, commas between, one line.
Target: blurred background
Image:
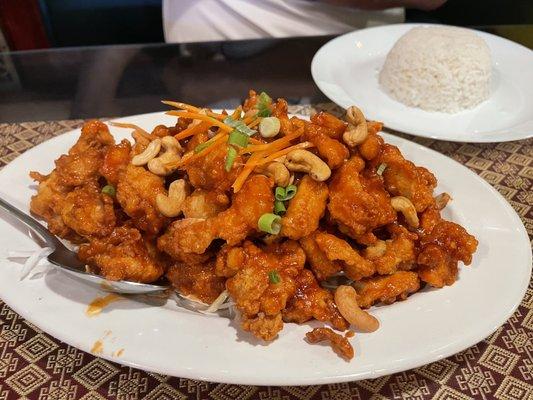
[(37, 24), (76, 59)]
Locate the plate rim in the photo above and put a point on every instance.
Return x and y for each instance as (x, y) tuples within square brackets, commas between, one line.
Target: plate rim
[(413, 362), (323, 48)]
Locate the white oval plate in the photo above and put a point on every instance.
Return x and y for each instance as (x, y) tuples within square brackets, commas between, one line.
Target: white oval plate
[(346, 69), (428, 326)]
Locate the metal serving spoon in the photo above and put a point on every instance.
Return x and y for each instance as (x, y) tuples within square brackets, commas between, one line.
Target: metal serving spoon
[(67, 260)]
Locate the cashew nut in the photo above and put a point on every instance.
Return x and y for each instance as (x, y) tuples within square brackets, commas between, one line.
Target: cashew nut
[(171, 205), (376, 250), (160, 165), (442, 200), (278, 172), (346, 301), (404, 205), (151, 151), (269, 127), (305, 161), (357, 129)]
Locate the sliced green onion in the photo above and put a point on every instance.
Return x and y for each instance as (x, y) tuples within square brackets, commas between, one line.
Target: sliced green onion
[(263, 105), (279, 207), (381, 169), (238, 138), (269, 127), (203, 146), (239, 126), (230, 158), (109, 190), (290, 191), (269, 223), (273, 276), (279, 193), (264, 98), (284, 194)]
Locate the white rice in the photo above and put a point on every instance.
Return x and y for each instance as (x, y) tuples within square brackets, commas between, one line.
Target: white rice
[(438, 69)]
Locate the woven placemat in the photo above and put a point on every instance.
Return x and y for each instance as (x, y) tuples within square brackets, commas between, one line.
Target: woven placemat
[(34, 365)]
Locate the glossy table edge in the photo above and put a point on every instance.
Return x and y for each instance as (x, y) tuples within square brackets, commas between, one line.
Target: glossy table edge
[(120, 80)]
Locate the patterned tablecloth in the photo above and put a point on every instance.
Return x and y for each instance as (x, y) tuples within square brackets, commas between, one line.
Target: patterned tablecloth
[(34, 365)]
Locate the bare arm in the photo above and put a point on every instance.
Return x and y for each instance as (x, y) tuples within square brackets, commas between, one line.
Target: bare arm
[(383, 4)]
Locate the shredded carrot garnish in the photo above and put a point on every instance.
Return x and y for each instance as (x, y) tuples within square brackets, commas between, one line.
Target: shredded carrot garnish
[(273, 156), (249, 118), (202, 117), (188, 107), (246, 171), (217, 141), (237, 113), (132, 126), (193, 130), (254, 123), (276, 144), (255, 141), (219, 117), (181, 106)]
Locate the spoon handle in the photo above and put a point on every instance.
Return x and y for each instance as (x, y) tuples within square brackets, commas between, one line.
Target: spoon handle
[(50, 239)]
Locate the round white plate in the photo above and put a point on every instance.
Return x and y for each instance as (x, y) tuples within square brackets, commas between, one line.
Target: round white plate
[(430, 325), (346, 69)]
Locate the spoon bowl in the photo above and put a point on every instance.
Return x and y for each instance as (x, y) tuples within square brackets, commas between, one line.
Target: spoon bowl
[(68, 261)]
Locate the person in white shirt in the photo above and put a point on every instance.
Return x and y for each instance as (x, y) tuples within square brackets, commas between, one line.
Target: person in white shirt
[(217, 20)]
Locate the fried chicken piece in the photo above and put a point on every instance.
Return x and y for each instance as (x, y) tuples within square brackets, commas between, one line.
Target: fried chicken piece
[(333, 151), (167, 243), (88, 212), (197, 139), (83, 161), (312, 301), (428, 220), (386, 289), (233, 225), (124, 255), (94, 135), (209, 172), (264, 284), (140, 144), (229, 261), (48, 203), (359, 204), (196, 280), (371, 147), (332, 126), (137, 190), (336, 249), (366, 239), (78, 167), (116, 159), (287, 126), (251, 101), (265, 327), (454, 239), (322, 267), (403, 178), (204, 204), (305, 209), (437, 268), (160, 131), (442, 248), (338, 343), (397, 253)]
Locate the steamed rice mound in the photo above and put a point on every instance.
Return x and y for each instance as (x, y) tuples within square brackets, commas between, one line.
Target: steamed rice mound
[(438, 69)]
